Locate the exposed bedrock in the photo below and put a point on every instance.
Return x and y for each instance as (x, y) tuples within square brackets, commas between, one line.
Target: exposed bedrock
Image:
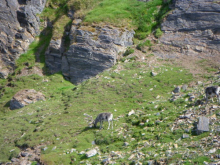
[(193, 27), (92, 50), (18, 26)]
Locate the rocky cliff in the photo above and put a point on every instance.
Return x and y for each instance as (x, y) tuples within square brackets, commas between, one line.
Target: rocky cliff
[(18, 27), (92, 50), (193, 28)]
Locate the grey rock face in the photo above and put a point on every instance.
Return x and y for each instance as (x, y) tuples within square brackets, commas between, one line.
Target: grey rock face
[(92, 50), (193, 27), (25, 97), (18, 26), (54, 56)]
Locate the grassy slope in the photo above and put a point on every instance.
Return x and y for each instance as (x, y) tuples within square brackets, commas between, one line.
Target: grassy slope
[(59, 121)]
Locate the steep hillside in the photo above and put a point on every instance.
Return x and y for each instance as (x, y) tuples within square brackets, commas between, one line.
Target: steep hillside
[(111, 51)]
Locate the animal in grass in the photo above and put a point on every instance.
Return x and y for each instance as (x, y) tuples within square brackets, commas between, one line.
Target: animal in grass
[(212, 91), (104, 117)]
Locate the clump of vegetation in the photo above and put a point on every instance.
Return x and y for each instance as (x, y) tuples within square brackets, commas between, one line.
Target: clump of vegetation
[(145, 44), (158, 33), (128, 51)]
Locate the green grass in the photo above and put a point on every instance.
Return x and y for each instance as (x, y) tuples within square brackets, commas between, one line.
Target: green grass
[(144, 16), (107, 11), (57, 121), (158, 33)]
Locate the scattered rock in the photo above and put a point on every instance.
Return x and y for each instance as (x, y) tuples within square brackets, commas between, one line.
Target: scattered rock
[(199, 83), (126, 144), (212, 151), (184, 87), (91, 153), (24, 154), (106, 161), (175, 146), (177, 90), (203, 124), (4, 73), (168, 153), (158, 114), (151, 162), (214, 106), (82, 152), (153, 73), (185, 136), (187, 116), (192, 98), (141, 124), (131, 112), (14, 160), (131, 157)]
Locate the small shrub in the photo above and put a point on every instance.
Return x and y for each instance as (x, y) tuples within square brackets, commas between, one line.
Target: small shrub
[(122, 59), (158, 33), (140, 35), (140, 46), (150, 124), (128, 51), (147, 43)]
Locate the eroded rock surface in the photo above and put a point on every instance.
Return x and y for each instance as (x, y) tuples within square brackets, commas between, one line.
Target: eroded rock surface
[(18, 26), (92, 50), (193, 28)]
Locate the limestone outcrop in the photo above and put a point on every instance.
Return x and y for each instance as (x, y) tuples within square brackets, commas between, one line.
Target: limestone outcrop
[(193, 27), (92, 50), (18, 26)]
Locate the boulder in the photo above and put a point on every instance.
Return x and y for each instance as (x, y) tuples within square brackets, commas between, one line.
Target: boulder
[(203, 124), (25, 97), (177, 90)]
